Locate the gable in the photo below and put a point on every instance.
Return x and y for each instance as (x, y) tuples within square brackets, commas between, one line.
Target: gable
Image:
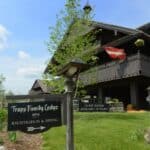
[(108, 33), (145, 28), (39, 87)]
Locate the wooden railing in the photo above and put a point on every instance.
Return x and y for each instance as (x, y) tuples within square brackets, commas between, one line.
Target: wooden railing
[(134, 65)]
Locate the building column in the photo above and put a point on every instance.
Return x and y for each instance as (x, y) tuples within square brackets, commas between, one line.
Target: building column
[(134, 97), (100, 94)]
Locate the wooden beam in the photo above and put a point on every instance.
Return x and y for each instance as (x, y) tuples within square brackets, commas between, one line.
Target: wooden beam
[(44, 96)]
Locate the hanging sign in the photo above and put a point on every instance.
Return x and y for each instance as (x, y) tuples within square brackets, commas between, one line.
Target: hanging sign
[(34, 117)]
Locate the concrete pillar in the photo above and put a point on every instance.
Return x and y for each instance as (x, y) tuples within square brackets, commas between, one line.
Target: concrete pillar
[(100, 94), (134, 97)]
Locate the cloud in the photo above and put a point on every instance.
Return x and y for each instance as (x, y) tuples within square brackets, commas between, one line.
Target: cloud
[(20, 74), (23, 55), (3, 37), (30, 71)]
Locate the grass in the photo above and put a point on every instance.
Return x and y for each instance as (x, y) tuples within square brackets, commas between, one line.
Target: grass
[(102, 131)]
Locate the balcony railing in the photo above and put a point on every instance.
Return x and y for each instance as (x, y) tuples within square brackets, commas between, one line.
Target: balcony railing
[(134, 65)]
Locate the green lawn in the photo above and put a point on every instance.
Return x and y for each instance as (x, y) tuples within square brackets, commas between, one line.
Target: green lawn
[(102, 131)]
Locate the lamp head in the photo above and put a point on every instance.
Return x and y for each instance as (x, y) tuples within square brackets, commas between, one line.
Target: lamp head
[(72, 68), (87, 8)]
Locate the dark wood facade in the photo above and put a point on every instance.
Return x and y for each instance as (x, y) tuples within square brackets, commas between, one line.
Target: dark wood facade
[(126, 80)]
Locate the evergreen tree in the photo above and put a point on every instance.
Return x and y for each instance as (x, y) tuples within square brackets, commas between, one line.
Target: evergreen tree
[(69, 39)]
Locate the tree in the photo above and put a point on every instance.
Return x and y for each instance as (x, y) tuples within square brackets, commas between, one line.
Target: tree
[(69, 39), (10, 93), (2, 91), (2, 79)]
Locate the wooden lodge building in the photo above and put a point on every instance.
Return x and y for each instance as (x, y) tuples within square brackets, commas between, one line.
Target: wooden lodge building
[(126, 80), (39, 87)]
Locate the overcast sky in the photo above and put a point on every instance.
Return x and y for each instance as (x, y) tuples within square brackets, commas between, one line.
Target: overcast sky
[(24, 31)]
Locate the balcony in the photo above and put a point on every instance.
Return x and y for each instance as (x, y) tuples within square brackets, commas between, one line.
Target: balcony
[(134, 65)]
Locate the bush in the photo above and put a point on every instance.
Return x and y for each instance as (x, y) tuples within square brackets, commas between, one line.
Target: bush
[(1, 141), (12, 136), (3, 118)]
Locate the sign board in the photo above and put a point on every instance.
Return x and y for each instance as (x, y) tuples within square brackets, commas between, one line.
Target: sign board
[(116, 107), (89, 107), (34, 117), (93, 107)]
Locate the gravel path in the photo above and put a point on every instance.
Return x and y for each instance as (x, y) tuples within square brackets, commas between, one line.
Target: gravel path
[(24, 141)]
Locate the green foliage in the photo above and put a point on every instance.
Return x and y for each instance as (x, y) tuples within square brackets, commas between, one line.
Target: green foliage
[(3, 118), (79, 92), (12, 136), (2, 91), (70, 38), (2, 79), (113, 101), (136, 134), (64, 19), (10, 93), (3, 114), (1, 141), (102, 131), (56, 84)]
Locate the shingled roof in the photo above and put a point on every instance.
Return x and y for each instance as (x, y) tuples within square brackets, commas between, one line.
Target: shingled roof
[(145, 28), (39, 87), (124, 30)]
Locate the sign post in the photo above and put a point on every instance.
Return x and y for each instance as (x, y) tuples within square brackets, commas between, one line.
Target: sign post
[(70, 128), (34, 117)]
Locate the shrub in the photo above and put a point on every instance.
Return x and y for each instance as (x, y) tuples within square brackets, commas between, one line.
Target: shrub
[(12, 136), (1, 141), (3, 118)]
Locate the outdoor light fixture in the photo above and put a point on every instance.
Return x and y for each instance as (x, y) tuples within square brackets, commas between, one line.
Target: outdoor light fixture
[(72, 68), (139, 43), (69, 71), (87, 8)]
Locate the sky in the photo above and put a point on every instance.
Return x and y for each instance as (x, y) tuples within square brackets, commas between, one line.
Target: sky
[(24, 31)]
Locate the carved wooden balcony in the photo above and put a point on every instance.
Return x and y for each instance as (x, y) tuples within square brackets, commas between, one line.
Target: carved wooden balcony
[(134, 65)]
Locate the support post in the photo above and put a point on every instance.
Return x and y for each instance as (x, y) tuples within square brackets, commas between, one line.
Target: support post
[(134, 94), (64, 111), (69, 131), (100, 94)]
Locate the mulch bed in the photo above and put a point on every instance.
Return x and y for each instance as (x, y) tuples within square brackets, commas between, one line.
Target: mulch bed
[(24, 141)]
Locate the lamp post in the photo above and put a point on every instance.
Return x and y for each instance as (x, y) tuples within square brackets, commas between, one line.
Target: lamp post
[(69, 71)]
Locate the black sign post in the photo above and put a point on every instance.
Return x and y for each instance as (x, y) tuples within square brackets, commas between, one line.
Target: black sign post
[(34, 117)]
